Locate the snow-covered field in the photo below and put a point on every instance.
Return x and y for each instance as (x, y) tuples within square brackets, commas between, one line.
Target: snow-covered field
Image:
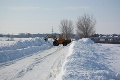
[(35, 59)]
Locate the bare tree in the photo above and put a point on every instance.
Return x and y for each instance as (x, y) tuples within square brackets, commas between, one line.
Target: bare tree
[(86, 26), (66, 28)]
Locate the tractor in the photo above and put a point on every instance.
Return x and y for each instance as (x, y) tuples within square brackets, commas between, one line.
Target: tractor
[(61, 40)]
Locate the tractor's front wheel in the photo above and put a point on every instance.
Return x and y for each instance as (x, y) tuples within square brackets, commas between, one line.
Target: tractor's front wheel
[(55, 43)]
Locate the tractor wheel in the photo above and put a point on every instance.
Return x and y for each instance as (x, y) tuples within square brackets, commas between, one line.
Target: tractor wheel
[(64, 44), (55, 43)]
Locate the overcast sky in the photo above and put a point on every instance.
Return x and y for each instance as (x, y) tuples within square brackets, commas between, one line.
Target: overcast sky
[(38, 16)]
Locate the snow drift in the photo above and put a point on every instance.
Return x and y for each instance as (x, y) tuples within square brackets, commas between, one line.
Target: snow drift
[(22, 48), (87, 61)]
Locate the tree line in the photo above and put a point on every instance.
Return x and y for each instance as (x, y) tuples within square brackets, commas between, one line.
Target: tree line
[(20, 35), (25, 35)]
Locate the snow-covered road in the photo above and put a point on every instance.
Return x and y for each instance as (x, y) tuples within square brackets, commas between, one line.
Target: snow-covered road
[(40, 66)]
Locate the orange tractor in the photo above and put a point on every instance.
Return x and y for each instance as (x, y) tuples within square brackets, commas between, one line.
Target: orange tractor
[(61, 40)]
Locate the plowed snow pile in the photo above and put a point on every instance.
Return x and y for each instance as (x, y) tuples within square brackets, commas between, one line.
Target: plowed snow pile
[(17, 49), (87, 60)]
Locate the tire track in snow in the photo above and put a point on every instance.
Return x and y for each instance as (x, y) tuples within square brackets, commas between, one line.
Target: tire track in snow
[(40, 66), (37, 61), (56, 67)]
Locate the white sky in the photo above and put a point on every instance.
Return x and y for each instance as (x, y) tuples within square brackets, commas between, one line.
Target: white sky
[(38, 16)]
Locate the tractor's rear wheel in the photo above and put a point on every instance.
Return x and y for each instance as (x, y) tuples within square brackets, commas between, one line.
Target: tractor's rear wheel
[(64, 43)]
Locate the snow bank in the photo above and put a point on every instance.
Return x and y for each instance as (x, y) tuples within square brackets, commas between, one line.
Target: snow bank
[(22, 48), (87, 61)]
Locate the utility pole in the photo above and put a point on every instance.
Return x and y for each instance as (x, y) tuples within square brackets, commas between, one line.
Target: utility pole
[(52, 30)]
